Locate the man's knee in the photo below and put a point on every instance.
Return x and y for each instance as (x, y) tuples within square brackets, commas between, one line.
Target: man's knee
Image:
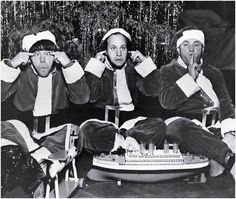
[(178, 128)]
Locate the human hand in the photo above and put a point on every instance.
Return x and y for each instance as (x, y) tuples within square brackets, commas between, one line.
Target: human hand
[(22, 58), (101, 56), (131, 144), (137, 56), (61, 57), (194, 68)]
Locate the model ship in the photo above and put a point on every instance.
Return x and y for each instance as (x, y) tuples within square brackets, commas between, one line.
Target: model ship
[(146, 165)]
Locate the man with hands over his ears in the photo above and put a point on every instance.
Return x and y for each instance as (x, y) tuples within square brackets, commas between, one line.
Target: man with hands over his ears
[(118, 76)]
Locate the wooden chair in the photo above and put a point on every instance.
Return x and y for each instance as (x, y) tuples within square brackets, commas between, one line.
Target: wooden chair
[(61, 159), (207, 112), (117, 113)]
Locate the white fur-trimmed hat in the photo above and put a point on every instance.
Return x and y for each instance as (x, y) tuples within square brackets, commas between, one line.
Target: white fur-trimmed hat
[(29, 40), (191, 34), (116, 30)]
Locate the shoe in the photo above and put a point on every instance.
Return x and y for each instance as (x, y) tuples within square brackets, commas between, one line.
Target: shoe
[(215, 168)]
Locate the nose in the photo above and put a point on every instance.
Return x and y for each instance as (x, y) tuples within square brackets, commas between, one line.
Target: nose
[(191, 48), (118, 52), (42, 58)]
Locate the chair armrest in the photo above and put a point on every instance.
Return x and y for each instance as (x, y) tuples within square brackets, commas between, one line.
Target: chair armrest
[(209, 110)]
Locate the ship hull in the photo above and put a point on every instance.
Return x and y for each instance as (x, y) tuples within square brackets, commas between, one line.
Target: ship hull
[(98, 173)]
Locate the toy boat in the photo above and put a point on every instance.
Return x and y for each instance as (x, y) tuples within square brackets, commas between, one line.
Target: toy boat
[(146, 165)]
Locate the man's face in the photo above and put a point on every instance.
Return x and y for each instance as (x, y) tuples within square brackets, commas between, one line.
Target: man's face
[(117, 50), (42, 62), (189, 48)]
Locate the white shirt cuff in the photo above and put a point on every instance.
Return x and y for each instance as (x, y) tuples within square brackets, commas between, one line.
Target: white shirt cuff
[(95, 67), (187, 85), (8, 74), (73, 73), (145, 67), (227, 125)]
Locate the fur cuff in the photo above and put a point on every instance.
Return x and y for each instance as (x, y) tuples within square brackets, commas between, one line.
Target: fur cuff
[(145, 67), (73, 73), (8, 74), (95, 67), (187, 85)]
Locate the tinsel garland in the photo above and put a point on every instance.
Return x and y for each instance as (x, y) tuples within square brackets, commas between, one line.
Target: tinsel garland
[(80, 25)]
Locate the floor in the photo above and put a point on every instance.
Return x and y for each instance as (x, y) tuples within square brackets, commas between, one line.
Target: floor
[(222, 186)]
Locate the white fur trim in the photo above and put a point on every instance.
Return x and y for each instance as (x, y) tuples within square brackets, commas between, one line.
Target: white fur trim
[(24, 131), (228, 125), (126, 107), (29, 40), (95, 67), (73, 73), (187, 85), (191, 34), (43, 101), (5, 142), (123, 93), (145, 67), (130, 123), (131, 143), (116, 30), (8, 74), (119, 139), (171, 119)]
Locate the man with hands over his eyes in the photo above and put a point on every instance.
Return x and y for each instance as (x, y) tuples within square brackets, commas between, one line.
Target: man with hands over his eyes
[(43, 79)]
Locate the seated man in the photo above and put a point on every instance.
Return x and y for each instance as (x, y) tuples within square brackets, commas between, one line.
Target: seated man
[(187, 86), (117, 76), (42, 79)]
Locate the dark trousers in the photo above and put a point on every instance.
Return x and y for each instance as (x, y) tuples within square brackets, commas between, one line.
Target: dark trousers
[(99, 136), (194, 139)]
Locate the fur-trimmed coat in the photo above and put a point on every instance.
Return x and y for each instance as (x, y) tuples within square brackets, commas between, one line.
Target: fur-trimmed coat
[(67, 85), (140, 78), (180, 93)]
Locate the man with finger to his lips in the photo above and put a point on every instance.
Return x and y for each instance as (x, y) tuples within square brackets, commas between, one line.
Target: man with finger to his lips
[(187, 86)]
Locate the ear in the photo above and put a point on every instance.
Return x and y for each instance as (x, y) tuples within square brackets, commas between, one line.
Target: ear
[(203, 48), (178, 50)]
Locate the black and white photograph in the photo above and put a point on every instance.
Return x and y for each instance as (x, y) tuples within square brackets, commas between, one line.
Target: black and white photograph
[(117, 99)]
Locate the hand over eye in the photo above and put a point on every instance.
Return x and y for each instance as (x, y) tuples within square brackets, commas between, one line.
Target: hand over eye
[(61, 57), (21, 58)]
